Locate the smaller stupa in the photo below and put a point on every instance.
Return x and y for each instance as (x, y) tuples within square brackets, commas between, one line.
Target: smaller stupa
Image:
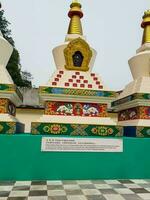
[(10, 96), (75, 99), (133, 103)]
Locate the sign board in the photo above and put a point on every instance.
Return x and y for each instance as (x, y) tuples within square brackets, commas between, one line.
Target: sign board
[(64, 144)]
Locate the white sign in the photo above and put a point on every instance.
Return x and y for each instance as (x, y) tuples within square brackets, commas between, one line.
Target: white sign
[(64, 144)]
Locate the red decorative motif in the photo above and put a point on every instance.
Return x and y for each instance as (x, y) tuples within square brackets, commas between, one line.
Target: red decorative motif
[(95, 78), (54, 83), (100, 87), (81, 77), (82, 85), (58, 75), (76, 109), (66, 84), (85, 81), (57, 79), (75, 85), (89, 86)]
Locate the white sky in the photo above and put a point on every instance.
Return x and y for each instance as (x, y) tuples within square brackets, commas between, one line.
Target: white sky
[(111, 27)]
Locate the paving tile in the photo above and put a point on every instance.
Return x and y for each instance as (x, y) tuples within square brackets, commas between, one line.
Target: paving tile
[(103, 186), (6, 188), (18, 193), (113, 197), (132, 186), (54, 182), (69, 182), (55, 187), (87, 186), (38, 187), (38, 198), (139, 190), (98, 182), (72, 187), (107, 191), (38, 193), (22, 183), (38, 183), (126, 181), (17, 198), (96, 197), (58, 198), (112, 182), (124, 191), (56, 193), (7, 183), (21, 188), (91, 192), (131, 197), (83, 182), (77, 197), (74, 192), (145, 196), (144, 185), (117, 186), (138, 181), (4, 194)]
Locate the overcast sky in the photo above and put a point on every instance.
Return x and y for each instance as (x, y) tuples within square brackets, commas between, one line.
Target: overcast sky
[(111, 27)]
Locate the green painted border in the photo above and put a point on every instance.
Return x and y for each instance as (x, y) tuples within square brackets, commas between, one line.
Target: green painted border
[(145, 96), (11, 127), (77, 92), (21, 159), (75, 129), (10, 88)]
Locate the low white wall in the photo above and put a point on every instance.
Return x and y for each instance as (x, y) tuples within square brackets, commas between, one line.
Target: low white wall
[(27, 116)]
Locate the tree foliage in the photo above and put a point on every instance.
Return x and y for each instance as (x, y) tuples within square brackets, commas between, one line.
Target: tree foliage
[(14, 66)]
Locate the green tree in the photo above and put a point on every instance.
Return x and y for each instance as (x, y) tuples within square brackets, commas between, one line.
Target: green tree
[(13, 66)]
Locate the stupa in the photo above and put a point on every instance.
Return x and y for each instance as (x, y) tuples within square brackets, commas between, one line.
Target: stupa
[(133, 104), (10, 96), (75, 99)]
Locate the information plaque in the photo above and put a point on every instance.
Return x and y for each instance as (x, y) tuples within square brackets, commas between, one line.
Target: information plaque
[(64, 144)]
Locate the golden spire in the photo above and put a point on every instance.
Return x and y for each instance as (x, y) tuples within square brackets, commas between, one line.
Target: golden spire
[(146, 25), (75, 15)]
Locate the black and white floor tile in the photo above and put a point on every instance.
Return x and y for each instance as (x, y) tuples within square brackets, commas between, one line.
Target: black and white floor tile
[(76, 190)]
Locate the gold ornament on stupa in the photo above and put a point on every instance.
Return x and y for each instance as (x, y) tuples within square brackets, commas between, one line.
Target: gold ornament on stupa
[(75, 15), (146, 26)]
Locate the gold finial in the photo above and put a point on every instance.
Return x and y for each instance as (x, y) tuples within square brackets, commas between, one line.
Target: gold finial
[(146, 26), (75, 14)]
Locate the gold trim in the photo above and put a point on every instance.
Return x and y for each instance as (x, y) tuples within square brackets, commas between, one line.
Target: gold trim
[(78, 45)]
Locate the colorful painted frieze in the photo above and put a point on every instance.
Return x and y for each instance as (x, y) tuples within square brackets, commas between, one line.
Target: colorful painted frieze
[(140, 96), (6, 106), (11, 128), (76, 129), (141, 112), (78, 92), (76, 109)]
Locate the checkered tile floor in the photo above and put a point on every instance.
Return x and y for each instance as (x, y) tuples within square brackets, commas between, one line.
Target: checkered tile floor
[(76, 190)]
